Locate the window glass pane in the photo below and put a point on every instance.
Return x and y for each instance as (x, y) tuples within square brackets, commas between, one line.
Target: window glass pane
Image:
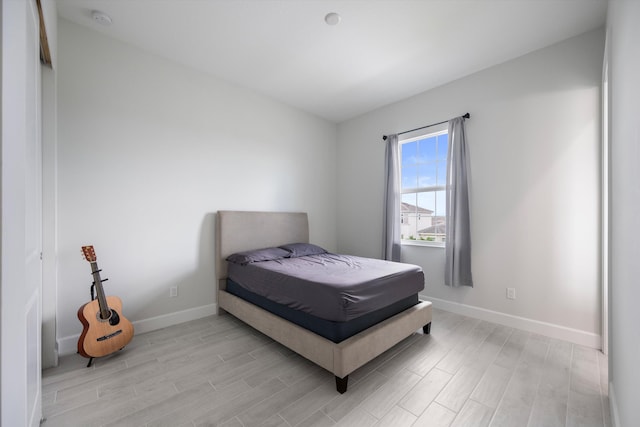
[(442, 173), (427, 203), (409, 177), (441, 203), (409, 201), (443, 144), (427, 175), (409, 153), (427, 149), (408, 215)]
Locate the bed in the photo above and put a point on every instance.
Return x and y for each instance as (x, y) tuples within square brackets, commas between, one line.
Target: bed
[(239, 231)]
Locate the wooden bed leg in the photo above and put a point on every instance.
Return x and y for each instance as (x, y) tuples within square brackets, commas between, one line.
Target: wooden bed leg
[(427, 328), (341, 384)]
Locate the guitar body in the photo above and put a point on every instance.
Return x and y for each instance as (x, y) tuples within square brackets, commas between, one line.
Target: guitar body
[(101, 337), (105, 330)]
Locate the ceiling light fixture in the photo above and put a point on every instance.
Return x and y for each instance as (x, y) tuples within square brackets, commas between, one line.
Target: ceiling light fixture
[(101, 18), (332, 18)]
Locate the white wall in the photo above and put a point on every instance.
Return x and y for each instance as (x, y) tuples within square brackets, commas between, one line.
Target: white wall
[(147, 151), (624, 347), (533, 138)]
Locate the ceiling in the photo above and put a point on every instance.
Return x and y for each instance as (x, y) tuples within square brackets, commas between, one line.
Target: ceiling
[(381, 52)]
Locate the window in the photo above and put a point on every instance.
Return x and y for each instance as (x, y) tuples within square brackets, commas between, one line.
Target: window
[(423, 172)]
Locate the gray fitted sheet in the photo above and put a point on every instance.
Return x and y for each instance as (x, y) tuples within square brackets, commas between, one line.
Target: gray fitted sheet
[(330, 286)]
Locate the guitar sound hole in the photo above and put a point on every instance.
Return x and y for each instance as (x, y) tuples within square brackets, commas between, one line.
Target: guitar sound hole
[(113, 318), (99, 317)]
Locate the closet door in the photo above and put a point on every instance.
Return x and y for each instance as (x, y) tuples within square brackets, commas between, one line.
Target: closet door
[(21, 272)]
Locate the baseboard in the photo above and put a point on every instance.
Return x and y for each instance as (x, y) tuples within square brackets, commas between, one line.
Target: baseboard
[(613, 407), (69, 345), (575, 336)]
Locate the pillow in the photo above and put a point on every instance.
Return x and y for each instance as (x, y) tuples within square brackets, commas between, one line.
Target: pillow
[(302, 249), (257, 255)]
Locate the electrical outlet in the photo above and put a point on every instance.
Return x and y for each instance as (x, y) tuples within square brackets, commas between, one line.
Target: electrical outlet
[(173, 291), (511, 293)]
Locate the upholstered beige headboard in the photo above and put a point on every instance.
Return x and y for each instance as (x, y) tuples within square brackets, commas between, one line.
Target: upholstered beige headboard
[(238, 231)]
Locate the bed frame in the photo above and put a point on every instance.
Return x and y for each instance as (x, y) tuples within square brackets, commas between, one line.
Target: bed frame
[(238, 231)]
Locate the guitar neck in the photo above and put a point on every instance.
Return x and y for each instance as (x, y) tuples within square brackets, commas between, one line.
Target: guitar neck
[(102, 299)]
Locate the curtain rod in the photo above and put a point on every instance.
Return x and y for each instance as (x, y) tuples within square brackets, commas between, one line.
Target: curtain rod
[(466, 116)]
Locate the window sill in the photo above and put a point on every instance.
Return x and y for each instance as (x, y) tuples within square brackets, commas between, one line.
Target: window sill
[(422, 243)]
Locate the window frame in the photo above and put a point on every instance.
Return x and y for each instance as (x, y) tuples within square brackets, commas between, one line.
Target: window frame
[(412, 137)]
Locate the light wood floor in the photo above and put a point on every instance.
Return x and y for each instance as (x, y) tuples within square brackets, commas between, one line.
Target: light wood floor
[(218, 371)]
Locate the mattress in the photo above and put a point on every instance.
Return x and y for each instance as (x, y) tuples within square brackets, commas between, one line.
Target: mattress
[(333, 287), (334, 331)]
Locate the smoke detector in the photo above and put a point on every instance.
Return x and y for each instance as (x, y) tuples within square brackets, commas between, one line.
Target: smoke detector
[(332, 18)]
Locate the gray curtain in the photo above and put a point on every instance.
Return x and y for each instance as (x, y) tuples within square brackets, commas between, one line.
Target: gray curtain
[(391, 215), (458, 229)]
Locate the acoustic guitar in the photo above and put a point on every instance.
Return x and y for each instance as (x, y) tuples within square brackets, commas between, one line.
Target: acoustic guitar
[(105, 329)]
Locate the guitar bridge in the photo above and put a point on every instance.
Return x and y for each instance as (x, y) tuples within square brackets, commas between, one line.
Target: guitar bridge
[(106, 337)]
